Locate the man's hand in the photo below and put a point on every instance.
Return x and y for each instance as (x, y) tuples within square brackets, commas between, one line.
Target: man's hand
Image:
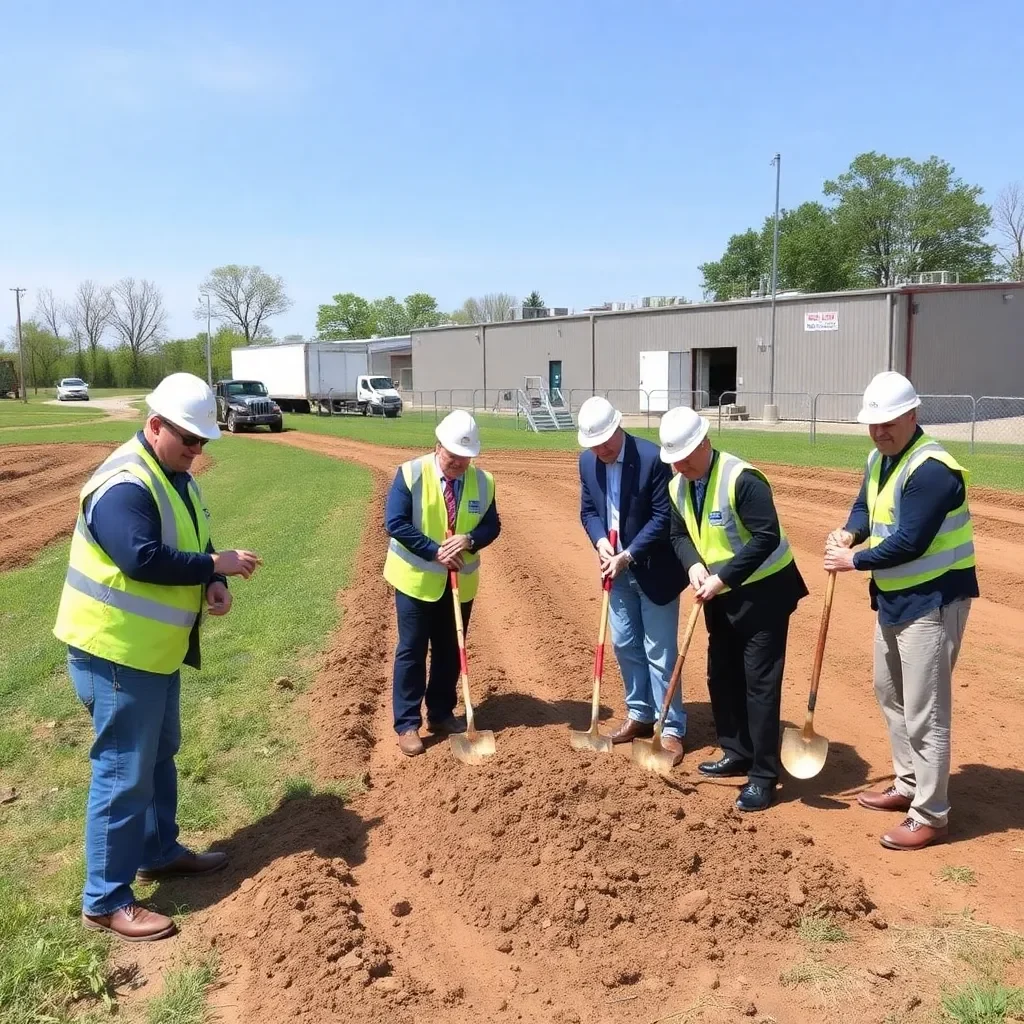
[(839, 539), (236, 563), (454, 562), (453, 546), (613, 566), (711, 586), (839, 559), (218, 599), (604, 551), (698, 574)]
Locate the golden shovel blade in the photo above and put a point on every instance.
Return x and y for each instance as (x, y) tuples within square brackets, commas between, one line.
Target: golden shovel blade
[(473, 747), (803, 754), (652, 756), (590, 740)]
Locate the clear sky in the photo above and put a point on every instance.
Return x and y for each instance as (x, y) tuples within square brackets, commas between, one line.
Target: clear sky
[(591, 150)]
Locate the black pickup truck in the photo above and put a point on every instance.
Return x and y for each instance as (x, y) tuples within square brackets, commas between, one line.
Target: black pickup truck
[(246, 403)]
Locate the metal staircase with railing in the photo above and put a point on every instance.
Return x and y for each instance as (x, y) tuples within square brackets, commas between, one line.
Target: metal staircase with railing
[(543, 410)]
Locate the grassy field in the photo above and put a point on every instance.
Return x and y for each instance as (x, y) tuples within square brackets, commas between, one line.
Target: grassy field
[(998, 466), (242, 735)]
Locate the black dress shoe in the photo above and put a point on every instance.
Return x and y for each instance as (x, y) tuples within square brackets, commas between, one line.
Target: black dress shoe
[(726, 767), (755, 797)]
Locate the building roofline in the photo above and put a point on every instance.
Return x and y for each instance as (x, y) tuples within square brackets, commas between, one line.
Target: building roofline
[(909, 289)]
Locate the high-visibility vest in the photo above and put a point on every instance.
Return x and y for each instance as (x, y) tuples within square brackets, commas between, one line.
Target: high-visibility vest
[(141, 625), (415, 576), (721, 535), (952, 547)]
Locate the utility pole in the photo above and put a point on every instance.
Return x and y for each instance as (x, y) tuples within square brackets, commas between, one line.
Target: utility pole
[(777, 161), (209, 356), (18, 292)]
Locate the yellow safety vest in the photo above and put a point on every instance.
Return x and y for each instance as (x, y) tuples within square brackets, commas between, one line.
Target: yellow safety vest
[(141, 625), (415, 576), (720, 535), (952, 547)]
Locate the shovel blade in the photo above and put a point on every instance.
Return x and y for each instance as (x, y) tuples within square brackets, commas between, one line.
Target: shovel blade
[(652, 756), (474, 747), (591, 740), (803, 756)]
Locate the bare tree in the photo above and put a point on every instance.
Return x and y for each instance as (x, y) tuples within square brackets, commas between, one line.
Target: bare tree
[(51, 314), (90, 315), (245, 298), (138, 317), (495, 307), (1008, 214)]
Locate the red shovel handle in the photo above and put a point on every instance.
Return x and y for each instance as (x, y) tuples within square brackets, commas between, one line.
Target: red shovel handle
[(606, 586)]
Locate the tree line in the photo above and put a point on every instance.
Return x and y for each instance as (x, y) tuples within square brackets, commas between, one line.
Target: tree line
[(882, 220)]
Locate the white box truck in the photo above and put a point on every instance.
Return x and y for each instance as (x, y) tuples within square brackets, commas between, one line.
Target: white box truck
[(318, 376)]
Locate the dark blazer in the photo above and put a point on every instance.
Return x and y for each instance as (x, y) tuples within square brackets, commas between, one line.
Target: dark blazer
[(645, 515)]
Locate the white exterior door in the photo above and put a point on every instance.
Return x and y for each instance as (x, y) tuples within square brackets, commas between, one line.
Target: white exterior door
[(653, 381)]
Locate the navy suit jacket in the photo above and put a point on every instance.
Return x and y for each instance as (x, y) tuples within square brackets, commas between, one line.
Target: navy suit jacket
[(645, 515)]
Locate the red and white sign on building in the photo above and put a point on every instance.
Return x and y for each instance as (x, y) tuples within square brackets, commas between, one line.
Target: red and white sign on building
[(821, 321)]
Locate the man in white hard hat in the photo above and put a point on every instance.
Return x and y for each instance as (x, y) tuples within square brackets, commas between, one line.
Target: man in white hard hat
[(142, 569), (727, 535), (440, 514), (912, 511), (623, 487)]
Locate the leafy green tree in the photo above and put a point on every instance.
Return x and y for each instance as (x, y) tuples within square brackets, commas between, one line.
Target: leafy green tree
[(43, 354), (347, 317), (533, 301), (740, 270), (351, 316)]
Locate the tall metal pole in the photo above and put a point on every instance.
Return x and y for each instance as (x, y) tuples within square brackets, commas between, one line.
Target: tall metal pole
[(775, 277), (18, 292), (209, 356)]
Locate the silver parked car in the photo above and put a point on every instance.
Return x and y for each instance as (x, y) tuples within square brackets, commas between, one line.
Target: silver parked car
[(72, 389)]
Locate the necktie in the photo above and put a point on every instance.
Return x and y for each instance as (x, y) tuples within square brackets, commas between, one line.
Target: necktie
[(449, 500), (699, 487)]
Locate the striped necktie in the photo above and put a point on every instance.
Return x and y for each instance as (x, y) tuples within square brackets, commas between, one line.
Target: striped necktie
[(449, 500)]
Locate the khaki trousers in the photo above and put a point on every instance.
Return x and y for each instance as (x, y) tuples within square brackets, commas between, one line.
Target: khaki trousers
[(914, 664)]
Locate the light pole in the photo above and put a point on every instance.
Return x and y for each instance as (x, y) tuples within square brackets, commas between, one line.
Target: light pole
[(773, 414), (18, 292), (209, 355)]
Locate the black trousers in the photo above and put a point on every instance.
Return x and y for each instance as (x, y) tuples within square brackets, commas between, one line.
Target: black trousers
[(745, 668), (423, 625)]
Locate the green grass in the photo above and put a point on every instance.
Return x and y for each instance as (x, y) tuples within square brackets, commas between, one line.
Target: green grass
[(18, 414), (820, 929), (987, 1003), (991, 465), (242, 736), (958, 875), (183, 1000)]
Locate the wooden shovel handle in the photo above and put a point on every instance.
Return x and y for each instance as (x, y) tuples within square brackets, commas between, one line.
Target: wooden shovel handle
[(819, 651), (677, 671), (602, 632)]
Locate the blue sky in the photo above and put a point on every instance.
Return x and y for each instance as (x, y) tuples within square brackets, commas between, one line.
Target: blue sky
[(592, 150)]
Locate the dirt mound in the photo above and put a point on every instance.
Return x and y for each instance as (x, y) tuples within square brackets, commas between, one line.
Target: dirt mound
[(39, 487)]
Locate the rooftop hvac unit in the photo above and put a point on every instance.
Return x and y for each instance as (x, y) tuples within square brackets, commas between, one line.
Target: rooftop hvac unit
[(559, 311)]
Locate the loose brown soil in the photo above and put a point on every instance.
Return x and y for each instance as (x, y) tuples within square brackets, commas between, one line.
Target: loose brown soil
[(550, 886)]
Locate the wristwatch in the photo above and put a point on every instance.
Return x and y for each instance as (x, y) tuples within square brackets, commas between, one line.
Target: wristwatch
[(472, 544), (629, 557)]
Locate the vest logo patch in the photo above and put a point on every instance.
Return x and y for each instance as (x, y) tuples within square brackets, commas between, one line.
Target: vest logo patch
[(206, 512), (715, 518), (474, 506)]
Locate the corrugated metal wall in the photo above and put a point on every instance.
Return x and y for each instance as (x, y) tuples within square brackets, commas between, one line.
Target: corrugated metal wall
[(969, 342), (451, 357), (515, 351)]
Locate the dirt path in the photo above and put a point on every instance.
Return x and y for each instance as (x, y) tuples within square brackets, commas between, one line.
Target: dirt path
[(118, 408), (550, 886)]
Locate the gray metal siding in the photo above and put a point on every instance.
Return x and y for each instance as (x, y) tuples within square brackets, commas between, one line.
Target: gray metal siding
[(968, 343), (519, 349), (449, 358)]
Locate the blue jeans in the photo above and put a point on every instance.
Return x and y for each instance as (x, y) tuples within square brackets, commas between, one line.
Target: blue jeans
[(133, 796), (646, 645)]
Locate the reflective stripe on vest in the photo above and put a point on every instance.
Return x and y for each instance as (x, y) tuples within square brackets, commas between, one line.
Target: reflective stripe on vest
[(953, 544), (139, 625), (719, 540), (415, 576)]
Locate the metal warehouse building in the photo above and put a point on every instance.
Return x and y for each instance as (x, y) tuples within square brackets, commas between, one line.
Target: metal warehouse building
[(949, 339)]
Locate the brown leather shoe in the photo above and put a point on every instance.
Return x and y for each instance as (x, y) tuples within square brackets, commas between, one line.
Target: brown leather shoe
[(912, 835), (410, 744), (631, 730), (886, 800), (133, 923), (674, 745), (185, 866), (447, 726)]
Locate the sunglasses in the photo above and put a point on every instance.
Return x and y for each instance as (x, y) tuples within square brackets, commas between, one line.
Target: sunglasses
[(188, 440)]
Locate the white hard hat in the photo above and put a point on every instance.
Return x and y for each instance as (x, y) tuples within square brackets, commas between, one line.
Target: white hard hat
[(186, 401), (680, 432), (888, 395), (459, 434), (597, 420)]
